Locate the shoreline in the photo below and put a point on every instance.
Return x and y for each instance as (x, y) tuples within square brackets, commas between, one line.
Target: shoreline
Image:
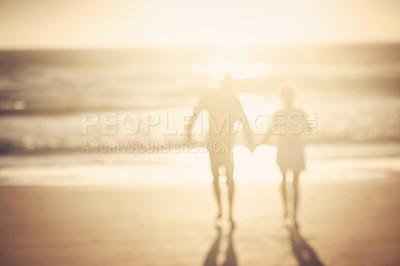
[(344, 223)]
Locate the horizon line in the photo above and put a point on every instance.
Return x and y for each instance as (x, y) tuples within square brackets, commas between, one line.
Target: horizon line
[(216, 47)]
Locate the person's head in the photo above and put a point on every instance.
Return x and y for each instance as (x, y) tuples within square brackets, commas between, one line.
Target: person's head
[(287, 94), (227, 83)]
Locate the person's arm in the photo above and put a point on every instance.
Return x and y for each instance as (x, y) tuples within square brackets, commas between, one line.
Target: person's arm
[(271, 127), (193, 118), (266, 137), (247, 129)]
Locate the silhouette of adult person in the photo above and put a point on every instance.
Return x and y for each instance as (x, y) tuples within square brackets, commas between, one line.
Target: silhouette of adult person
[(224, 109), (287, 126)]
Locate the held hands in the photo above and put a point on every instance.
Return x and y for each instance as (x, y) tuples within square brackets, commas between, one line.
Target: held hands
[(251, 144)]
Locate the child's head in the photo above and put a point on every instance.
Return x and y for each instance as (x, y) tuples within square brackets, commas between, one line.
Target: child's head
[(227, 82), (287, 94)]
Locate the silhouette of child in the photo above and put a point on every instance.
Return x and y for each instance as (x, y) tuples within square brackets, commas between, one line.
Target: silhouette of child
[(287, 126)]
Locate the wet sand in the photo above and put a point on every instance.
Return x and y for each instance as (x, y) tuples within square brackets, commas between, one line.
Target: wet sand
[(341, 223)]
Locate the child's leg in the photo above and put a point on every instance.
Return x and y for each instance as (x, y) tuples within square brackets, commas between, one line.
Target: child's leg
[(296, 175), (284, 194)]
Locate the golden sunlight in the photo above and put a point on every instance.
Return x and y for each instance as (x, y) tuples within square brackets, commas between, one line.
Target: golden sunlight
[(212, 132), (227, 24)]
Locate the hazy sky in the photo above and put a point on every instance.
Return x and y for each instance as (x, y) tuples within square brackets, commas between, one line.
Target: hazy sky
[(230, 23)]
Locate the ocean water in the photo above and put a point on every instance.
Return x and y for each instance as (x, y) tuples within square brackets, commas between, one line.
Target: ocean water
[(47, 98)]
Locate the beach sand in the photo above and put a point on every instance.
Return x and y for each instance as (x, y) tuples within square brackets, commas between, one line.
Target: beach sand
[(341, 223)]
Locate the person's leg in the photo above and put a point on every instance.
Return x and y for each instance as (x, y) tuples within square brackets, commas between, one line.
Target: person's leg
[(231, 191), (296, 175), (230, 183), (284, 193), (215, 172)]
